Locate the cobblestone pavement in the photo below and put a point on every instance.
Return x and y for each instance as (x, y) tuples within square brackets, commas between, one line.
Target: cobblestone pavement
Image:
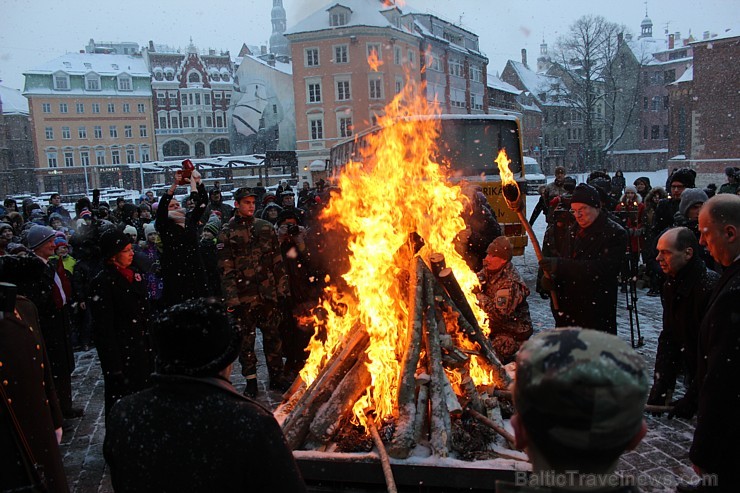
[(658, 463)]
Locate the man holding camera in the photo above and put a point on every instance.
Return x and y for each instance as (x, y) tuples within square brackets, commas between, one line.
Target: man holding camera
[(254, 285)]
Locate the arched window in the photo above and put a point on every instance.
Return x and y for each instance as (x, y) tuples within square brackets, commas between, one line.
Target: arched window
[(193, 77), (175, 148)]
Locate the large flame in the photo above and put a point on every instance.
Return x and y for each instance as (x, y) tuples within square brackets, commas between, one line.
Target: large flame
[(503, 162), (395, 191), (373, 61)]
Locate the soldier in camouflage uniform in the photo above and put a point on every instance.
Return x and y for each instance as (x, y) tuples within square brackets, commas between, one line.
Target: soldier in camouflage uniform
[(503, 297), (579, 396), (254, 283)]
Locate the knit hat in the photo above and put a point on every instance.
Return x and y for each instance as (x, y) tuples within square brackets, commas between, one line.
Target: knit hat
[(130, 230), (112, 242), (580, 388), (686, 176), (60, 241), (149, 228), (4, 226), (569, 184), (586, 194), (630, 188), (212, 227), (86, 214), (691, 197), (195, 338), (501, 247), (38, 235)]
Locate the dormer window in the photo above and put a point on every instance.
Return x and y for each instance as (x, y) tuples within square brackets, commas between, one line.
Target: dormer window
[(92, 82), (124, 83), (61, 81), (193, 77), (339, 15)]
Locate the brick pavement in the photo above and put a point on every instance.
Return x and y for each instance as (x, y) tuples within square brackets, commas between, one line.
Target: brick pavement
[(661, 459)]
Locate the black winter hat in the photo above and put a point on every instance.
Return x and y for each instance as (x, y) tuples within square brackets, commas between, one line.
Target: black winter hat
[(586, 194), (643, 179), (686, 176), (113, 241), (195, 338)]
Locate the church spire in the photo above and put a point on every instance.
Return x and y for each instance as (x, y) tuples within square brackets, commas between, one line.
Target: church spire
[(278, 42)]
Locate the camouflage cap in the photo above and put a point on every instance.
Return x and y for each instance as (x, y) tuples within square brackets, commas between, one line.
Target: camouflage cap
[(581, 388), (244, 192)]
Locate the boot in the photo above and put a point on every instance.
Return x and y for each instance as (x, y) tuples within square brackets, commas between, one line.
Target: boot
[(251, 389)]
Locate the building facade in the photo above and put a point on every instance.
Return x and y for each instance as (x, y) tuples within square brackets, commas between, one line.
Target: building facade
[(191, 98), (16, 144), (91, 117)]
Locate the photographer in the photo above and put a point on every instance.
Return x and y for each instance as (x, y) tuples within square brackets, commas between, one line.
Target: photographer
[(631, 214)]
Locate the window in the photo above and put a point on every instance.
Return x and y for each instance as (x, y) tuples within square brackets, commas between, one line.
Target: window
[(173, 97), (163, 122), (374, 47), (127, 132), (49, 133), (46, 107), (85, 158), (217, 96), (397, 55), (343, 93), (669, 76), (111, 107), (66, 134), (193, 77), (184, 99), (92, 82), (144, 152), (412, 57), (63, 108), (209, 121), (140, 108), (338, 19), (345, 126), (82, 132), (313, 91), (61, 82), (476, 73), (126, 108), (665, 131), (476, 101), (433, 62), (655, 132), (100, 156), (69, 159), (113, 130), (341, 54), (219, 121), (142, 130), (98, 132), (186, 122), (456, 68), (207, 99), (657, 103), (376, 88), (96, 107), (399, 85), (130, 158), (311, 57), (174, 120), (227, 95), (317, 128), (197, 99), (51, 159), (457, 98), (80, 107), (115, 156)]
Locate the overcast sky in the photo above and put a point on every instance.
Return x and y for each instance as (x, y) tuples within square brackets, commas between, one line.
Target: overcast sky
[(35, 31)]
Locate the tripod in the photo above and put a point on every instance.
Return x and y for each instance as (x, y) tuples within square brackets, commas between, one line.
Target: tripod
[(629, 281)]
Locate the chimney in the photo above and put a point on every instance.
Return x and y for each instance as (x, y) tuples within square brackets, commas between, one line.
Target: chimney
[(706, 35), (671, 41), (263, 50), (524, 57), (151, 45)]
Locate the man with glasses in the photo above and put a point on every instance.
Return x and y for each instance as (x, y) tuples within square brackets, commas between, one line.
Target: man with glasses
[(585, 276), (666, 210)]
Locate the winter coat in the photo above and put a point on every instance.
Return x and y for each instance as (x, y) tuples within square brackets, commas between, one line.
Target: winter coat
[(196, 434), (717, 434), (664, 216), (586, 277), (209, 255), (684, 301), (250, 262), (225, 210), (632, 218), (503, 297), (618, 184), (182, 271), (154, 284), (120, 313), (27, 381)]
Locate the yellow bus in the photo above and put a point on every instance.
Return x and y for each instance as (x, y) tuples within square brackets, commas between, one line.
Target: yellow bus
[(468, 144)]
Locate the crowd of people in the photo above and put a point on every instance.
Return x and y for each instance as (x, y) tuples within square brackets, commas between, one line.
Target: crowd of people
[(171, 293)]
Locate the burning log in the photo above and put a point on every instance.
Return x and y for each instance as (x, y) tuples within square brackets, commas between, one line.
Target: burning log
[(403, 438), (451, 400), (296, 425), (441, 425), (437, 263), (332, 413), (448, 281), (422, 407), (471, 393)]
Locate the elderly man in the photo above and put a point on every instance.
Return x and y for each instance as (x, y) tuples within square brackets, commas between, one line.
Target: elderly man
[(579, 396), (585, 276), (714, 449), (685, 295)]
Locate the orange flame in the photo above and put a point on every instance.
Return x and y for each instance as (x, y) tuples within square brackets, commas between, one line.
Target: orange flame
[(503, 162), (373, 61), (397, 189)]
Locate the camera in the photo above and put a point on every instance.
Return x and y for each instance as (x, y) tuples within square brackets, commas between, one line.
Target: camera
[(293, 229), (187, 170)]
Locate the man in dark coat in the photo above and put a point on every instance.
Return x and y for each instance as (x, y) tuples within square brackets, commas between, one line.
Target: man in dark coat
[(715, 446), (26, 379), (48, 287), (585, 278), (216, 203), (686, 291), (120, 313), (679, 181), (192, 431)]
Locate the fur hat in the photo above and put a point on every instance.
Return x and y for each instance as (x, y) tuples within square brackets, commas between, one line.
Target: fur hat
[(112, 242), (501, 247), (586, 194), (686, 176), (38, 235), (195, 338), (691, 197), (149, 229)]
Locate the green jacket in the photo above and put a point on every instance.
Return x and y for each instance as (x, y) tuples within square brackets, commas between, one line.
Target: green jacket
[(249, 259)]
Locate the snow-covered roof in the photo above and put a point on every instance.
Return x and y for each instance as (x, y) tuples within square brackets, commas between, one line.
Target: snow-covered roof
[(13, 102), (83, 63), (364, 13), (539, 83), (286, 68), (497, 83), (645, 48), (639, 151), (731, 32), (687, 76)]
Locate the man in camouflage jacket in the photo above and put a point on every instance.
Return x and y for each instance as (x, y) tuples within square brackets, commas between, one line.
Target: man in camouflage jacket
[(254, 283)]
